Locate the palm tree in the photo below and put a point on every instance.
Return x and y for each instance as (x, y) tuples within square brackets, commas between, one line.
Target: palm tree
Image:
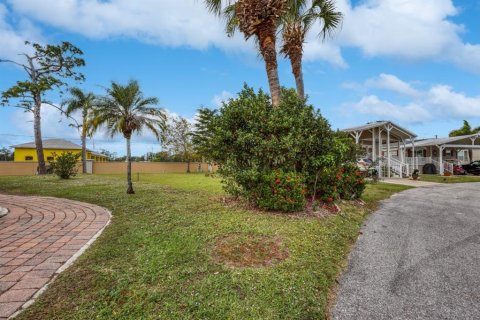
[(296, 23), (85, 103), (466, 129), (124, 110), (258, 18)]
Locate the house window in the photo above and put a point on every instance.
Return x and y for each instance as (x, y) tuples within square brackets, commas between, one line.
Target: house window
[(28, 158), (463, 155), (49, 158)]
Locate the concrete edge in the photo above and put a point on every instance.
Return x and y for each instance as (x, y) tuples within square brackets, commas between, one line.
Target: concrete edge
[(65, 266), (3, 211)]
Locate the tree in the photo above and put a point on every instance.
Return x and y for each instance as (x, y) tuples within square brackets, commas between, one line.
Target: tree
[(85, 103), (47, 68), (202, 134), (296, 23), (466, 129), (6, 154), (257, 18), (111, 156), (277, 156), (125, 110), (178, 138)]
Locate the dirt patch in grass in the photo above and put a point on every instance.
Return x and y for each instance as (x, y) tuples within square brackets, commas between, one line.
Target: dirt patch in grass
[(248, 250)]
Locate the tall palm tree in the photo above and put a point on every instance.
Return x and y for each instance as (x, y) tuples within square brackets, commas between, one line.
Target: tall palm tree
[(124, 110), (85, 103), (296, 23), (258, 18)]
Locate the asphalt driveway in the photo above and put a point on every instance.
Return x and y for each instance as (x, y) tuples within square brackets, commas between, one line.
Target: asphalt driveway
[(418, 257)]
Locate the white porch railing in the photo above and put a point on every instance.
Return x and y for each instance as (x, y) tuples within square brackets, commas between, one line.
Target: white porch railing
[(421, 161), (397, 168)]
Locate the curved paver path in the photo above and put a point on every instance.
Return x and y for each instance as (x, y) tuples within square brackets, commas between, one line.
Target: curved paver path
[(40, 237), (418, 257)]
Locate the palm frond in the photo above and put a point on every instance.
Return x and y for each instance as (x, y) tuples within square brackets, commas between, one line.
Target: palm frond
[(125, 110)]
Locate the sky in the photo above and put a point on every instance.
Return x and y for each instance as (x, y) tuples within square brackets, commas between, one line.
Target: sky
[(413, 62)]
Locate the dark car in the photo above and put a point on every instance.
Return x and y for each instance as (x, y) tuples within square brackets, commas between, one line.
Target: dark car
[(472, 167)]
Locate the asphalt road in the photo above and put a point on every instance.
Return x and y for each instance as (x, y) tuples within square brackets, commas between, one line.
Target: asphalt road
[(418, 257)]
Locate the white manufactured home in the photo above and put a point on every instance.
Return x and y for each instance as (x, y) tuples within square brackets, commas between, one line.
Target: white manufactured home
[(397, 151)]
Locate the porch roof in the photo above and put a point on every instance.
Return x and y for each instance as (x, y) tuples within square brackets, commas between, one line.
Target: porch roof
[(460, 141), (396, 131)]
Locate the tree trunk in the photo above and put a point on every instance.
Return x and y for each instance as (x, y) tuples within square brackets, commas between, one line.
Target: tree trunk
[(188, 166), (37, 120), (84, 140), (296, 61), (269, 54), (129, 169), (84, 148)]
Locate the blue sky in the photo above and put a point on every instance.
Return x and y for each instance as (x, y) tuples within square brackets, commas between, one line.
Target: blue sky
[(415, 62)]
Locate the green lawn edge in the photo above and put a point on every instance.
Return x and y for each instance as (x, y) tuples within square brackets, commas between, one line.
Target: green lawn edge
[(154, 261), (449, 179)]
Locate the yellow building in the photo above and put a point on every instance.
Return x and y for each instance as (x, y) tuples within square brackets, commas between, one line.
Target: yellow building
[(51, 147)]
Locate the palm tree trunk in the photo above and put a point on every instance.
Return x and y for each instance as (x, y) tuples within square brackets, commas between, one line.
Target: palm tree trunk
[(84, 148), (296, 62), (188, 166), (269, 53), (42, 168), (129, 169)]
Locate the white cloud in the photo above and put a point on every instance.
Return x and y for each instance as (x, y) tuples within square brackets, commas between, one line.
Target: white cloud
[(12, 38), (392, 83), (316, 50), (412, 30), (415, 30), (167, 22), (440, 102), (410, 113), (223, 97), (446, 101)]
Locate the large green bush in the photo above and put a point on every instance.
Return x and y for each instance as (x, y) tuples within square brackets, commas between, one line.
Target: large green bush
[(250, 140), (65, 165)]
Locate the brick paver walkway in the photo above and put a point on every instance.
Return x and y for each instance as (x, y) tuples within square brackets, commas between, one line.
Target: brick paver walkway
[(40, 237)]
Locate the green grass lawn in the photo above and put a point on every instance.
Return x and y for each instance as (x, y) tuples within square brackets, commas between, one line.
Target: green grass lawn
[(449, 179), (155, 259)]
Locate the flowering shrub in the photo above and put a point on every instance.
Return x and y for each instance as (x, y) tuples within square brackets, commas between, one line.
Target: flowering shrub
[(346, 182), (351, 182), (327, 186), (252, 141), (279, 190)]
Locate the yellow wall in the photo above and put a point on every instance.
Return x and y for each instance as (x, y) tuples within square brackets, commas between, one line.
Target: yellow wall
[(21, 154)]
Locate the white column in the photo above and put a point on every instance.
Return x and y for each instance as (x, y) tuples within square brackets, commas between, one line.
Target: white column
[(380, 150), (374, 153), (388, 151), (401, 151), (379, 142), (413, 153), (440, 159)]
